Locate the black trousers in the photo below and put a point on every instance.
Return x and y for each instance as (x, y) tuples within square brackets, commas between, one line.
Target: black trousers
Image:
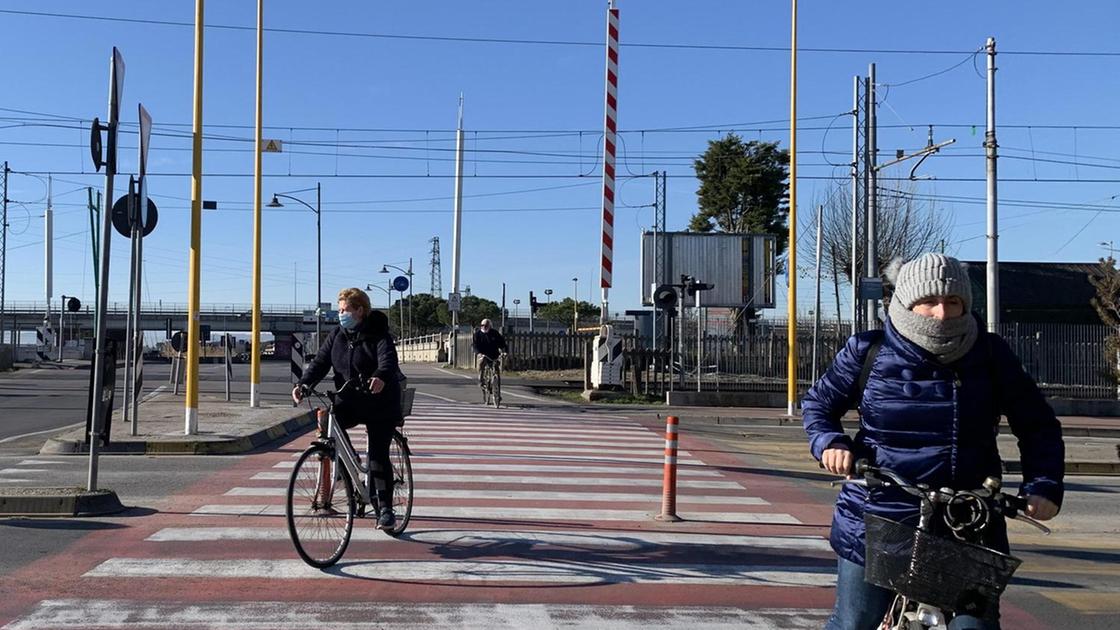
[(380, 436)]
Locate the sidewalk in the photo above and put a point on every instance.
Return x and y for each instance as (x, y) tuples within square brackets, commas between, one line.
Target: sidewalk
[(223, 428)]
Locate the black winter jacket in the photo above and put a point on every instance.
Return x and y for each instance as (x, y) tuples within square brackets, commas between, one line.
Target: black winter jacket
[(366, 352), (488, 343)]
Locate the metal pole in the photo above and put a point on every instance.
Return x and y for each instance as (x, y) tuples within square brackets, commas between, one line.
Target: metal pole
[(190, 412), (458, 234), (255, 366), (126, 411), (61, 327), (4, 254), (411, 328), (872, 197), (817, 308), (137, 341), (503, 307), (48, 254), (791, 385), (868, 246), (855, 202), (680, 339), (993, 219), (699, 340), (100, 348), (318, 266)]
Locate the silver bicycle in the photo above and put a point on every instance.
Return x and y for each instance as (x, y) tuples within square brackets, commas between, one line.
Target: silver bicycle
[(941, 568), (330, 486)]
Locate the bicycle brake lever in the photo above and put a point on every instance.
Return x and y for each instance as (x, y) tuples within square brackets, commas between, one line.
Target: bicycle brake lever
[(1030, 521)]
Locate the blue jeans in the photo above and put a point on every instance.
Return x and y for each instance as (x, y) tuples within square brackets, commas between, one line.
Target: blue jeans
[(861, 606)]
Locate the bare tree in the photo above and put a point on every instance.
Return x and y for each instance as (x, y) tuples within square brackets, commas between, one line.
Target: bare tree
[(1106, 280), (905, 226)]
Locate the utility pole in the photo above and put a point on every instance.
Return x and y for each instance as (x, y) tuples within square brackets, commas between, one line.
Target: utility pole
[(258, 146), (4, 252), (48, 254), (993, 223), (872, 196), (791, 374), (817, 307), (855, 202), (436, 286), (456, 244)]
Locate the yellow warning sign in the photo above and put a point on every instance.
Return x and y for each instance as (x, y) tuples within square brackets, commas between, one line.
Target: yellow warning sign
[(273, 146)]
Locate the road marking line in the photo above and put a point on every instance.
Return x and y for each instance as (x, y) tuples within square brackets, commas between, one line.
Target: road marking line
[(535, 570), (651, 471), (482, 513), (534, 495), (340, 615), (554, 481), (606, 540), (57, 430)]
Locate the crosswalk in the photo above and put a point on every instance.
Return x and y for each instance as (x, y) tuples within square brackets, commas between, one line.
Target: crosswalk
[(522, 518)]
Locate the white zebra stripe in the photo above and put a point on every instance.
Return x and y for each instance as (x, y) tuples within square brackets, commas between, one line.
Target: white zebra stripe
[(534, 495), (339, 615), (500, 571), (481, 513), (592, 540)]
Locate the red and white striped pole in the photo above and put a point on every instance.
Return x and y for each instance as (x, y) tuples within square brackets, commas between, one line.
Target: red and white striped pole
[(669, 483), (610, 128)]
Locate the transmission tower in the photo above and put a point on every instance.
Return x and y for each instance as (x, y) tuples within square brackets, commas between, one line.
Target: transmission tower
[(437, 273)]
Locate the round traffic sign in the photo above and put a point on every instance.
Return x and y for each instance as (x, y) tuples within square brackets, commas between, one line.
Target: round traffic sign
[(400, 283), (179, 341), (122, 223), (73, 304)]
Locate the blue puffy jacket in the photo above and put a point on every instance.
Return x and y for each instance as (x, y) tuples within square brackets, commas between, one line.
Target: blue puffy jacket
[(930, 423)]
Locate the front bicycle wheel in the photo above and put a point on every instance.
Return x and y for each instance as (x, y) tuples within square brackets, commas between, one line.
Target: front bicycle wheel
[(402, 483), (320, 507), (484, 385), (496, 388)]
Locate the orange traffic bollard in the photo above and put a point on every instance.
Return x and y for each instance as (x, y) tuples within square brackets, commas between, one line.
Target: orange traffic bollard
[(669, 483)]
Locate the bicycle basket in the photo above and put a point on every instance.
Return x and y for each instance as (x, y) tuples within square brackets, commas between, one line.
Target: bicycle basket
[(944, 572)]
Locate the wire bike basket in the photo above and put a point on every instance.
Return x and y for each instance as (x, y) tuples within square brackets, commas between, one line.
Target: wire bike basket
[(944, 572)]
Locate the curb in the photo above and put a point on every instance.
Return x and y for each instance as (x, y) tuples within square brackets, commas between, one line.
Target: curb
[(230, 446), (61, 502)]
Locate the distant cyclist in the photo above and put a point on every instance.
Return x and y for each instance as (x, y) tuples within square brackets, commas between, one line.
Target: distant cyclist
[(361, 349), (488, 344)]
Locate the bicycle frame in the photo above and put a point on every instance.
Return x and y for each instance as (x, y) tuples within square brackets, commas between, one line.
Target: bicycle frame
[(339, 440)]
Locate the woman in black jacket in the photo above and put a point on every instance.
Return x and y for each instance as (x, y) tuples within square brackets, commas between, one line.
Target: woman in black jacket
[(361, 351)]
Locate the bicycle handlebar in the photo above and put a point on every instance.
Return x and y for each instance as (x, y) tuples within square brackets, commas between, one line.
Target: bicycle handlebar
[(990, 496)]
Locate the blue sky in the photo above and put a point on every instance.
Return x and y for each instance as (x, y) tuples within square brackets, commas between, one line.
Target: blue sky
[(372, 117)]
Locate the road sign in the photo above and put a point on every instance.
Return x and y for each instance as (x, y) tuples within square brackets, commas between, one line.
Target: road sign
[(120, 216), (73, 305), (400, 283), (145, 139), (179, 341), (453, 302), (95, 144), (272, 146)]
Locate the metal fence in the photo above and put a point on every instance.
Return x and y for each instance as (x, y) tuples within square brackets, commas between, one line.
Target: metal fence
[(1066, 360)]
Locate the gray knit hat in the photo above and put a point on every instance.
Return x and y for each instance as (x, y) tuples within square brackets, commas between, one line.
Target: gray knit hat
[(929, 275)]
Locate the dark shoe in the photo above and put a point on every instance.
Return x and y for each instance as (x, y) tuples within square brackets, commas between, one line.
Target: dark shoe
[(386, 519)]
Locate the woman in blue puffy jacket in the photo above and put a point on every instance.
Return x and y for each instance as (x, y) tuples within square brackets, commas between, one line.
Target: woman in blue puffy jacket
[(929, 411)]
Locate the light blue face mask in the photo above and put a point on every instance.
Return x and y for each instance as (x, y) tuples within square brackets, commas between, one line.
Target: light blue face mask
[(347, 321)]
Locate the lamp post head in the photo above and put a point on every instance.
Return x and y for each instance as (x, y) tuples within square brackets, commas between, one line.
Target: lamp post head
[(384, 269), (275, 203)]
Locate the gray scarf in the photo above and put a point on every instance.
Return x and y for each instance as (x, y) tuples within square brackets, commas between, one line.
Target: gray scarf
[(947, 340)]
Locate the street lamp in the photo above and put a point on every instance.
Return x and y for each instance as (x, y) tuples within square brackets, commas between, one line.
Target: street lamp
[(275, 203), (370, 287), (575, 305), (408, 272), (516, 302), (1108, 245)]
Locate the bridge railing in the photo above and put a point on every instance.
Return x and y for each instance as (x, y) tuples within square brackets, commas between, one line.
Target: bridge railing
[(169, 308), (425, 349)]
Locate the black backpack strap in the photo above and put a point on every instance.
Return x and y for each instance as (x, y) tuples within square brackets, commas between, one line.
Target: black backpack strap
[(865, 371)]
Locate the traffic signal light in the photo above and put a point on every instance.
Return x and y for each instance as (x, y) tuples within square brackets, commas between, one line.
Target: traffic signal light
[(533, 304)]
